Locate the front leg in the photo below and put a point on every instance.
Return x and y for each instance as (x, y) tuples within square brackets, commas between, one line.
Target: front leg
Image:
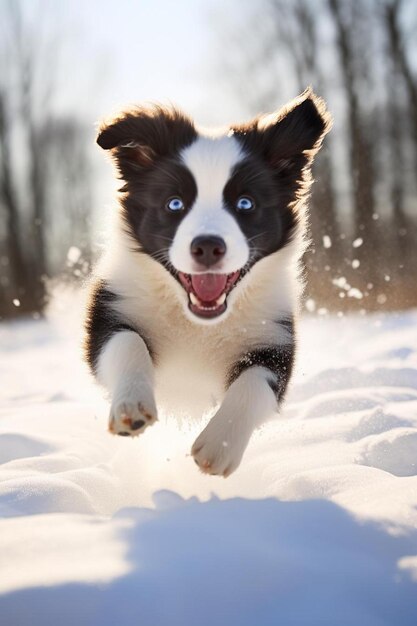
[(257, 384), (125, 368), (121, 361)]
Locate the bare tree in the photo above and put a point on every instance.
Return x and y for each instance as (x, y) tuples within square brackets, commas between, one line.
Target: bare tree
[(364, 197), (15, 279), (395, 137), (361, 156), (402, 62), (294, 22), (32, 165)]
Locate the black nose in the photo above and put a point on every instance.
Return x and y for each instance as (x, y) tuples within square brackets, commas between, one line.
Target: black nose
[(208, 249)]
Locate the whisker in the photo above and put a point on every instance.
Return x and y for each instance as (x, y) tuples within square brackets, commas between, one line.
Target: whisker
[(162, 237), (254, 176), (161, 254), (256, 236)]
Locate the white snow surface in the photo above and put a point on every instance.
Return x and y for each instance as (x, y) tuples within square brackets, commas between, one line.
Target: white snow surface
[(317, 527)]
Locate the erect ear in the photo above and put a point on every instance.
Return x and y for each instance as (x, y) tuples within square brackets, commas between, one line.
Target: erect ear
[(292, 136), (137, 138)]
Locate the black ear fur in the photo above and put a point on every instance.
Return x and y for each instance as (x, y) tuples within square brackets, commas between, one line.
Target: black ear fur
[(295, 131), (141, 135)]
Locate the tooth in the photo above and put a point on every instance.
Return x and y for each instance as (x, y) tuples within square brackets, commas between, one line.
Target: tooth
[(194, 298), (221, 300)]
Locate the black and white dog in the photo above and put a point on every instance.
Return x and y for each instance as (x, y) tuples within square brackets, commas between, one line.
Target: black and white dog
[(193, 304)]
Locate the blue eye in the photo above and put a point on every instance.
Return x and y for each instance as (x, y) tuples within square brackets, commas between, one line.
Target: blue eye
[(245, 204), (175, 204)]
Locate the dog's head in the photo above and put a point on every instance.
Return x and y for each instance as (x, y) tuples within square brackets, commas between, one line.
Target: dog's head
[(209, 207)]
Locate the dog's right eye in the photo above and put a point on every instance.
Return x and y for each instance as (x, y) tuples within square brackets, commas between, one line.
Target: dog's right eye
[(175, 204)]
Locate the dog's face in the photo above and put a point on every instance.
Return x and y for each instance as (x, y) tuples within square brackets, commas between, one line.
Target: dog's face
[(208, 208)]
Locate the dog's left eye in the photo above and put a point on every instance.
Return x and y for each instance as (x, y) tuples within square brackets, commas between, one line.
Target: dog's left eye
[(245, 203), (175, 204)]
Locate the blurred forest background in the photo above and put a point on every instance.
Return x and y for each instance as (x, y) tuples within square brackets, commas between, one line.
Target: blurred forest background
[(360, 55)]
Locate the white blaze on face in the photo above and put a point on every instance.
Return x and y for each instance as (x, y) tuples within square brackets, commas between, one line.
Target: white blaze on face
[(211, 161)]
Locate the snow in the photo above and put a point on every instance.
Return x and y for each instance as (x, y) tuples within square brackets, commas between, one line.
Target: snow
[(327, 242), (73, 255), (354, 292), (317, 527)]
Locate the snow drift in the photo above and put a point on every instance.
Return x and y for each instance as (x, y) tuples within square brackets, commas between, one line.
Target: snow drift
[(317, 526)]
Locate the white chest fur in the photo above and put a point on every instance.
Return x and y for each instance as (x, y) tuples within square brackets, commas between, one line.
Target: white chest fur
[(193, 359)]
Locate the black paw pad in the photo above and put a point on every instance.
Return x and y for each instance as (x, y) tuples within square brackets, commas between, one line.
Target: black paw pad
[(137, 424)]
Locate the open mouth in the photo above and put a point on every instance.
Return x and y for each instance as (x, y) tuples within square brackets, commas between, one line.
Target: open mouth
[(207, 293)]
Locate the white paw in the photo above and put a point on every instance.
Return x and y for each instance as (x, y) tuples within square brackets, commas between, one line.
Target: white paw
[(218, 450), (131, 418)]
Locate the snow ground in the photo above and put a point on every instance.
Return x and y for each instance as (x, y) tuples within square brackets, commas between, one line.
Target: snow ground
[(318, 526)]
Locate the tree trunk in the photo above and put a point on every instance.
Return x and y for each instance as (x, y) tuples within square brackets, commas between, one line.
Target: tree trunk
[(18, 287), (398, 52)]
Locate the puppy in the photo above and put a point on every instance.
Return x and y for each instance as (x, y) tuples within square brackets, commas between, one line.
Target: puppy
[(193, 303)]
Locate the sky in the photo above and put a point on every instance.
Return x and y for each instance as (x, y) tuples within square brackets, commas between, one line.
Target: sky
[(112, 54), (133, 51)]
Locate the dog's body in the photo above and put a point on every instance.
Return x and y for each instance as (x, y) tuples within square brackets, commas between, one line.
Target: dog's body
[(194, 303)]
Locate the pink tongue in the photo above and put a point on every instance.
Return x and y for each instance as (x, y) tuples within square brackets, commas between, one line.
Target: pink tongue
[(209, 287)]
